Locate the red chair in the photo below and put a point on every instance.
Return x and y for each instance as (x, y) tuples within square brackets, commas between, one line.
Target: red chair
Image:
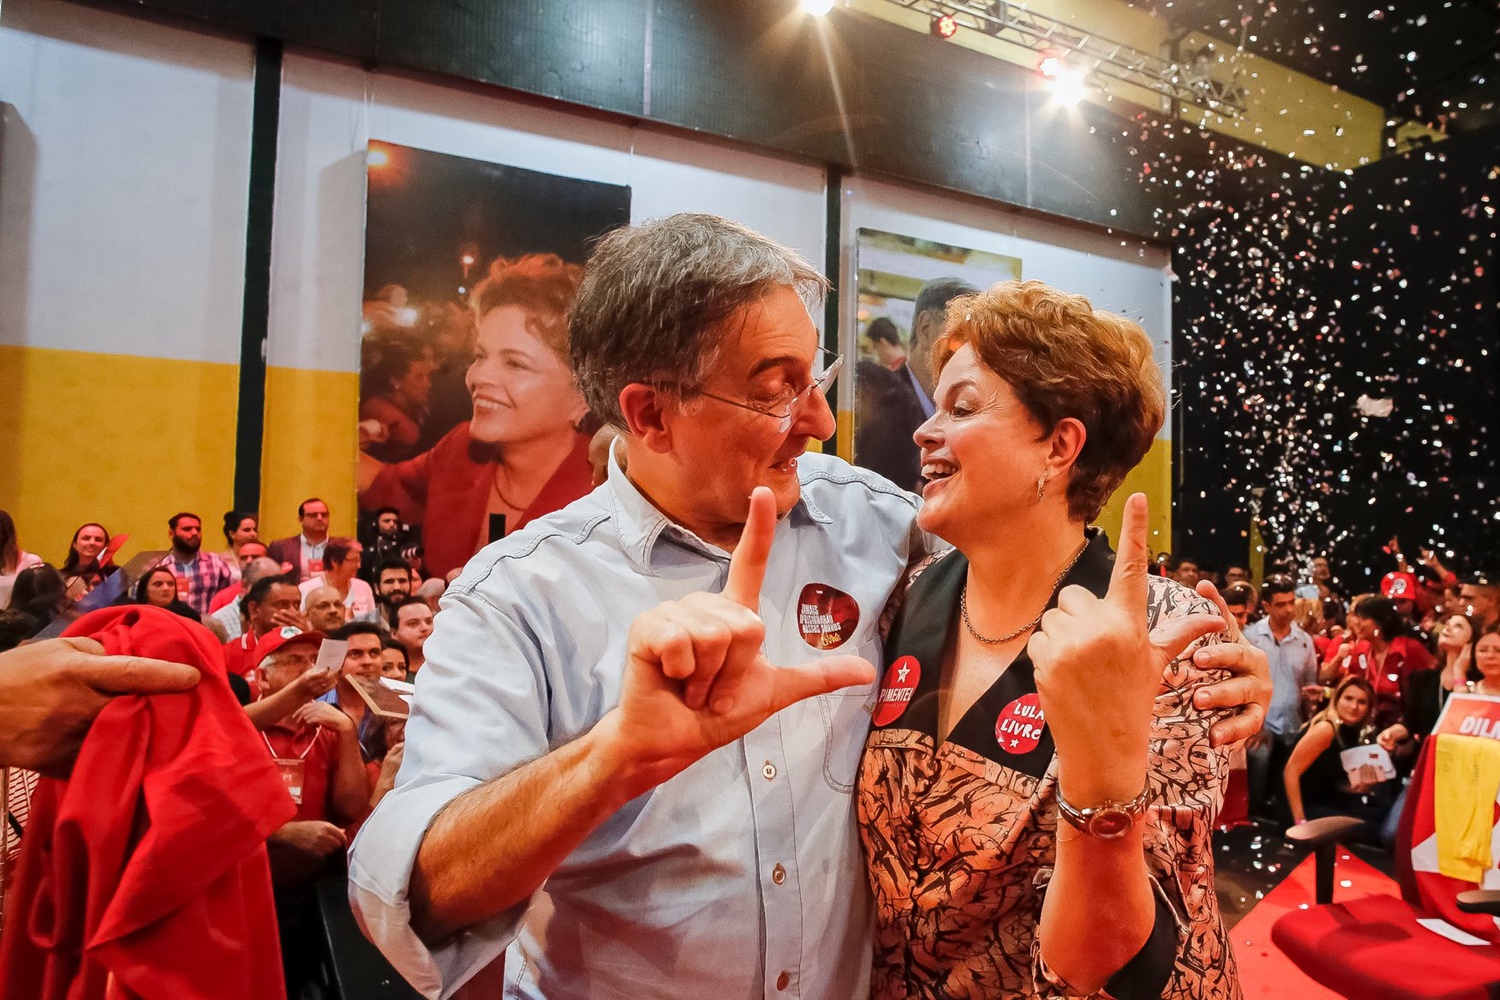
[(1372, 948)]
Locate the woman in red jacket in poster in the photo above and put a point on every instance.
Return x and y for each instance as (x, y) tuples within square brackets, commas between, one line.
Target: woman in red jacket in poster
[(524, 451)]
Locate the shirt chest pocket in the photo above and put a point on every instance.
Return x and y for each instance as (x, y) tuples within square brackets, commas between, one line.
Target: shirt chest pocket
[(846, 721), (824, 620)]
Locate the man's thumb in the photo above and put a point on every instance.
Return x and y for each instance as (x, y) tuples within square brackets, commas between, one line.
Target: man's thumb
[(821, 676)]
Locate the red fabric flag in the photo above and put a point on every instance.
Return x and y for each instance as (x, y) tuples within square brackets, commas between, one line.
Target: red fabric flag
[(144, 874)]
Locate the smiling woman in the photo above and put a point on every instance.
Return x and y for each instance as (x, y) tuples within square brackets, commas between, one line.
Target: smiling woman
[(1038, 730), (524, 452)]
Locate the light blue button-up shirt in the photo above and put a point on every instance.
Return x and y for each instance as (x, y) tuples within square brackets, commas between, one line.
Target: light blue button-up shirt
[(1294, 665), (741, 877)]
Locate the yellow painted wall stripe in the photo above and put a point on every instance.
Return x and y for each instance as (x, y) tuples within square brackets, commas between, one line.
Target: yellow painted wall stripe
[(123, 440), (310, 449)]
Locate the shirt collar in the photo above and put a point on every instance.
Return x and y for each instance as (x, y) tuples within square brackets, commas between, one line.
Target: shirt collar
[(1263, 627), (923, 400), (641, 525)]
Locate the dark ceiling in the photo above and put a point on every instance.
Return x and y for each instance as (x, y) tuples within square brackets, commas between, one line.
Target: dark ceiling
[(1408, 56)]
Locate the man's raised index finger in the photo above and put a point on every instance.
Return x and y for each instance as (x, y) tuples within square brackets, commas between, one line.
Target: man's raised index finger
[(1133, 557), (747, 566)]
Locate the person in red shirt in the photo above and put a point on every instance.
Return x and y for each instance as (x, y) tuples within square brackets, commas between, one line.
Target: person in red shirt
[(1345, 645), (524, 451), (316, 743), (1392, 653), (271, 602), (317, 752), (247, 554)]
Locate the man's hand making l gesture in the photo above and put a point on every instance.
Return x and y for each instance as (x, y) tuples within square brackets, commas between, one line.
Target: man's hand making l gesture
[(696, 677)]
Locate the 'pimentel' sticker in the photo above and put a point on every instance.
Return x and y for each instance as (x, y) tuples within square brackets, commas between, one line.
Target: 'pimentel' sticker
[(896, 689)]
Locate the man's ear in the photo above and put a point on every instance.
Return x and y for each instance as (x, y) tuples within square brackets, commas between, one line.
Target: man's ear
[(648, 413)]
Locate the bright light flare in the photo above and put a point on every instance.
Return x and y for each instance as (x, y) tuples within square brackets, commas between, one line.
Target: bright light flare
[(378, 158), (816, 8), (1069, 84)]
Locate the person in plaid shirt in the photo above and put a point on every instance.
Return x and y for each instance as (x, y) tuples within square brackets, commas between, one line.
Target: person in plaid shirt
[(200, 575)]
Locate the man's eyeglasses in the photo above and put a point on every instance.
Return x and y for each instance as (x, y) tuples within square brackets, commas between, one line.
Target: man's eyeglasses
[(784, 405)]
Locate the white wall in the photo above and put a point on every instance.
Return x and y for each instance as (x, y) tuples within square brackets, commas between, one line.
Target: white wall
[(1120, 275), (124, 169), (330, 109)]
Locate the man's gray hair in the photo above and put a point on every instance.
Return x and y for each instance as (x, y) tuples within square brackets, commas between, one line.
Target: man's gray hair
[(258, 567), (655, 297)]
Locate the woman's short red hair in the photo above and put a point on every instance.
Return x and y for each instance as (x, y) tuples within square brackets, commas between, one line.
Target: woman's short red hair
[(541, 283), (1062, 358)]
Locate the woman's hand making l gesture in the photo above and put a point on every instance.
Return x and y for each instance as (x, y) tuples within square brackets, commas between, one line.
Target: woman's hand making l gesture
[(1098, 671)]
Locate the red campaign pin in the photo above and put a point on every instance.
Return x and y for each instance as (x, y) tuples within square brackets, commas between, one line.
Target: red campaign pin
[(826, 616), (1019, 727), (183, 586), (896, 689)]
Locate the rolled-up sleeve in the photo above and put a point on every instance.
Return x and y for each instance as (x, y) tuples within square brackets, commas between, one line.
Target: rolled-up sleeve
[(480, 710)]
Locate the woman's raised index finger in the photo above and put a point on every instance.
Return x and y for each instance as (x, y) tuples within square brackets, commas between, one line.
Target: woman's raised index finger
[(747, 566), (1132, 558)]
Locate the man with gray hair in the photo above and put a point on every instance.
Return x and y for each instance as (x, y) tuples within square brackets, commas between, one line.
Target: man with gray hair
[(232, 615), (324, 608), (630, 763)]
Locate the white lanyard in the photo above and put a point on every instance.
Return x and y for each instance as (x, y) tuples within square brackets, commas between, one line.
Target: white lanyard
[(317, 731)]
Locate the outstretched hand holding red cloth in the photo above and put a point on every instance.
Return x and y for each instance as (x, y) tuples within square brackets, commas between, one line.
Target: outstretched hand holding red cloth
[(144, 875)]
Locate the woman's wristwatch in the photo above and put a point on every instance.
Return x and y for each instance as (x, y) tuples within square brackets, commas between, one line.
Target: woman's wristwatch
[(1109, 820)]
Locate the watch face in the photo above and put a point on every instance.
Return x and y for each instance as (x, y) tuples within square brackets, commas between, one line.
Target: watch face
[(1110, 823)]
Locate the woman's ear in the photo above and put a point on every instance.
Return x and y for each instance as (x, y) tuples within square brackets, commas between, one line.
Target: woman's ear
[(648, 415), (1068, 439)]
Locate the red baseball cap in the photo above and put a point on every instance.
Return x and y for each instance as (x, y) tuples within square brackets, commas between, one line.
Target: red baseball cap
[(286, 635), (1399, 587)]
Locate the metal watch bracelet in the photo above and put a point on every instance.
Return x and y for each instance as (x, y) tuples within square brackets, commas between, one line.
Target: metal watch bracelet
[(1109, 820)]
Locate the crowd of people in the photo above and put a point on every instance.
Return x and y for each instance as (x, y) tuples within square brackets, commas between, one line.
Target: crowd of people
[(270, 607), (1353, 670)]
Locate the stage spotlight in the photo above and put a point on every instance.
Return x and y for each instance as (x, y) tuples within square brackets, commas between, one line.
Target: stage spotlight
[(943, 25), (1069, 84), (816, 8)]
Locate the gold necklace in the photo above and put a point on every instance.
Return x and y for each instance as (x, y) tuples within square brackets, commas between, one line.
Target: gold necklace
[(963, 605)]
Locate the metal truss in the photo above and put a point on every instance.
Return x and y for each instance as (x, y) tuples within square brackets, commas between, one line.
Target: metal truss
[(1186, 82)]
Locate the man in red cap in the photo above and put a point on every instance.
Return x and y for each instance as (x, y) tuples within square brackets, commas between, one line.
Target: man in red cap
[(315, 748), (1400, 588), (317, 752)]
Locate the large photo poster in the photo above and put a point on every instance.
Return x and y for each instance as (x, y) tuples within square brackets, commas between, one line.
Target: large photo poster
[(905, 285), (470, 424)]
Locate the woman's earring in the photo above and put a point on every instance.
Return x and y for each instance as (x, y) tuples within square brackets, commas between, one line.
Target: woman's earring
[(1041, 487)]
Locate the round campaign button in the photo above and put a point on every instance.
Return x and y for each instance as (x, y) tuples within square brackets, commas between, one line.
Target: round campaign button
[(826, 616), (1019, 727), (896, 689)]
